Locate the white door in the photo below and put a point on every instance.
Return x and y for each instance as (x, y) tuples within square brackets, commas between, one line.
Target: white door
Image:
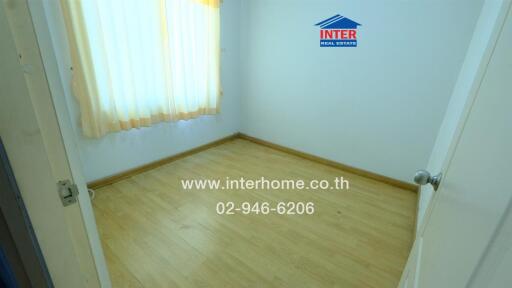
[(36, 150), (468, 211)]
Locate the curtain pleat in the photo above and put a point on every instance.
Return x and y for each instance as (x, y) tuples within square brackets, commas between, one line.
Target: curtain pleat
[(139, 62)]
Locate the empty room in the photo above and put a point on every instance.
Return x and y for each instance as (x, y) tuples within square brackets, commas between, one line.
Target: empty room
[(255, 143)]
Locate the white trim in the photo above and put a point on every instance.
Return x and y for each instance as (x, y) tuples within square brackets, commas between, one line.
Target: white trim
[(37, 10)]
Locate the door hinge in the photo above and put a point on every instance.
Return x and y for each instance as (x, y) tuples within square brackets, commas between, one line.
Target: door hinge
[(68, 192)]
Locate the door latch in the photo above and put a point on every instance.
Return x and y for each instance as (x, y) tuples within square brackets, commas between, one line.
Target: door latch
[(68, 192)]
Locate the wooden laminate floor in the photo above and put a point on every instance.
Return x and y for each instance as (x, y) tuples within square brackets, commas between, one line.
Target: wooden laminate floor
[(156, 234)]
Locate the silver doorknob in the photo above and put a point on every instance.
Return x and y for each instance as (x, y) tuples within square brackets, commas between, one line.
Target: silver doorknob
[(423, 177)]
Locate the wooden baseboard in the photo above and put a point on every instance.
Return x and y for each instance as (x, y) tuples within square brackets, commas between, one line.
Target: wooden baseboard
[(129, 173), (146, 167), (416, 215), (347, 168)]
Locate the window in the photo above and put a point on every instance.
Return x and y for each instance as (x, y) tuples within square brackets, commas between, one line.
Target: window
[(139, 62)]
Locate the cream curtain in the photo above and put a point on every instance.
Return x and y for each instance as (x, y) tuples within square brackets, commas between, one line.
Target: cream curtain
[(139, 62)]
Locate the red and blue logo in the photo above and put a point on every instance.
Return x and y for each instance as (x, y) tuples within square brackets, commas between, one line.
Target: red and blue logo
[(338, 31)]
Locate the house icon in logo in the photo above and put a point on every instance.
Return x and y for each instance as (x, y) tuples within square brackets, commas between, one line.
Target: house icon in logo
[(338, 31)]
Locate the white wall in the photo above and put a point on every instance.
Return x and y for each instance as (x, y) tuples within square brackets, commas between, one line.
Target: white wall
[(378, 106), (121, 151), (466, 87)]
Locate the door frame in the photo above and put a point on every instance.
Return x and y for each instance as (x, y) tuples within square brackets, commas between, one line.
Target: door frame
[(501, 9), (29, 31), (46, 48)]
